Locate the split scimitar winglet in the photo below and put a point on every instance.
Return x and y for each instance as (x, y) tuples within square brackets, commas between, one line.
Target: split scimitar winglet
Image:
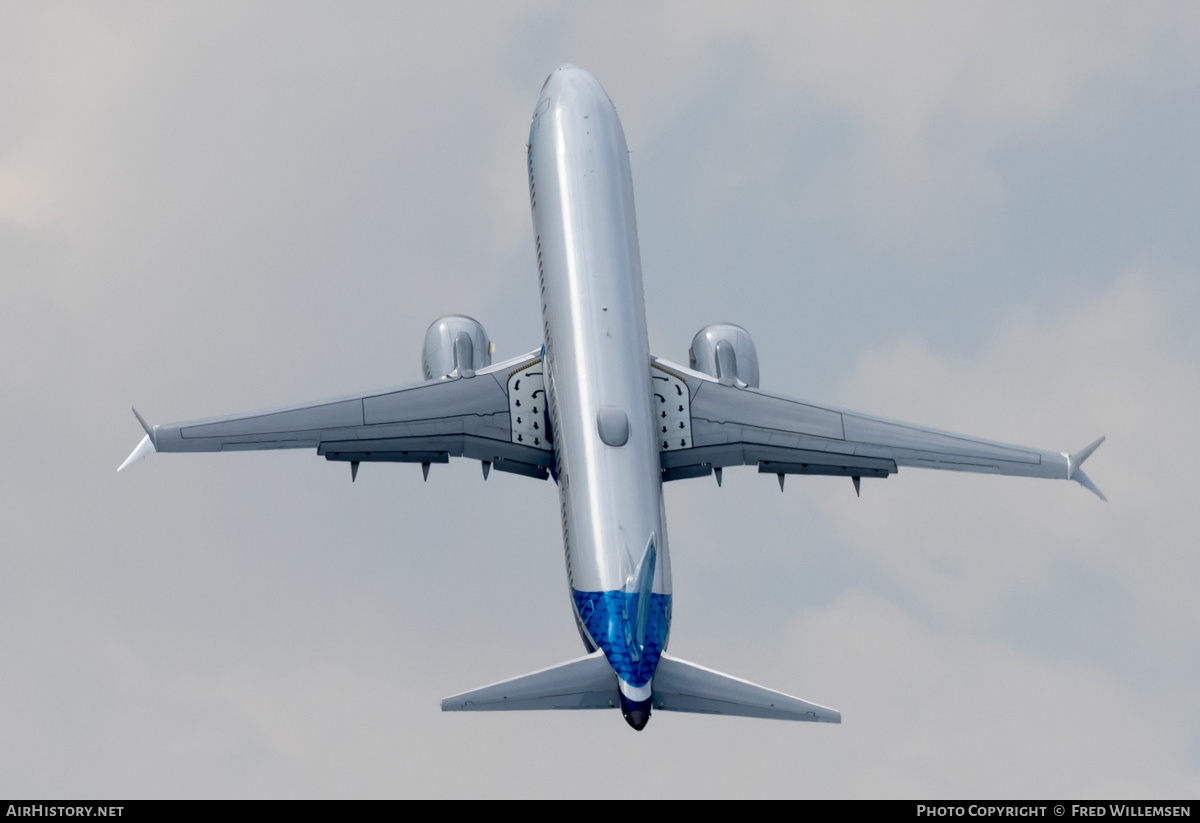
[(1075, 470), (144, 448)]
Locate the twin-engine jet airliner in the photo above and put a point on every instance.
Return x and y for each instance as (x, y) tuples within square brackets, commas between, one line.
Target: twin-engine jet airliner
[(593, 409)]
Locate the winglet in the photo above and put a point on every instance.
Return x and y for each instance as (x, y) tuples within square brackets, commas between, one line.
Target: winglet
[(150, 430), (1085, 481), (1074, 472), (1074, 461), (144, 448), (147, 446)]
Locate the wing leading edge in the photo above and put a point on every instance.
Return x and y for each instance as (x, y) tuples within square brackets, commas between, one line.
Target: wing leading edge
[(427, 422), (737, 426)]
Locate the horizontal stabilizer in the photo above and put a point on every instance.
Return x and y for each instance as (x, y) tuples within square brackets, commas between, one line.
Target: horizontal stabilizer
[(680, 686), (582, 683)]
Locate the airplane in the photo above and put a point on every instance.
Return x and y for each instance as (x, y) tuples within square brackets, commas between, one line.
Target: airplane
[(593, 409)]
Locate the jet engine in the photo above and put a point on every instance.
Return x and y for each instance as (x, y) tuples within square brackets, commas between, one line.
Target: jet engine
[(455, 346), (725, 351)]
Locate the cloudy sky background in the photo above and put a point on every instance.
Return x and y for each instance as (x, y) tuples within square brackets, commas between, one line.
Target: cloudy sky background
[(979, 217)]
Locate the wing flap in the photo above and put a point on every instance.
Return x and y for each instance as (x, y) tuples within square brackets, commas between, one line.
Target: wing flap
[(514, 458)]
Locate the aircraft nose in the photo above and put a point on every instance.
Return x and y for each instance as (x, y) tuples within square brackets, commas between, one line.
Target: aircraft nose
[(570, 77), (565, 68)]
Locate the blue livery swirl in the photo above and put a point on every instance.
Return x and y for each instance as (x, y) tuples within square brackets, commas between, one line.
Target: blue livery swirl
[(611, 620)]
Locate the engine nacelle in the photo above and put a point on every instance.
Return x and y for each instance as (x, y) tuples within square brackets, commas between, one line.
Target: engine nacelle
[(725, 351), (455, 346)]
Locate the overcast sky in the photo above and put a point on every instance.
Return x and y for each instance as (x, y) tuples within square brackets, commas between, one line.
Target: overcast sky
[(980, 217)]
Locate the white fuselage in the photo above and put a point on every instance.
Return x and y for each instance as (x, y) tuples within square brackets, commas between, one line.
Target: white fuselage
[(597, 356)]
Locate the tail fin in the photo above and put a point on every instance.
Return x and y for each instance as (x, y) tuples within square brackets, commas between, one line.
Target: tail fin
[(583, 683), (680, 686)]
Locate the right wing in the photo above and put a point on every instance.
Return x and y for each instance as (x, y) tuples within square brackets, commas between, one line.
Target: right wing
[(708, 424), (496, 416)]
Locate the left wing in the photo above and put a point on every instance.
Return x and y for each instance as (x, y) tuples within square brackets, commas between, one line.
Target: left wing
[(496, 416), (707, 424)]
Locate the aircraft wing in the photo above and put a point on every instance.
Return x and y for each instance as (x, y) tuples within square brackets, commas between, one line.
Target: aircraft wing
[(708, 424), (496, 416)]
